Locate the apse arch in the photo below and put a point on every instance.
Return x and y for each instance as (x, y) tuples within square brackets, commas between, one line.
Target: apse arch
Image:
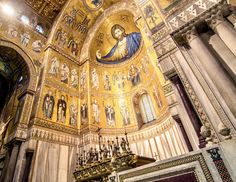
[(116, 8)]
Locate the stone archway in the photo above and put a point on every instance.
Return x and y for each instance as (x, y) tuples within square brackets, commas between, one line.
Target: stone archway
[(17, 64), (32, 68), (18, 69)]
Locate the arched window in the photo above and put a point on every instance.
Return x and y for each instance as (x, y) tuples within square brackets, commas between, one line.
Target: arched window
[(146, 108), (39, 28), (25, 19)]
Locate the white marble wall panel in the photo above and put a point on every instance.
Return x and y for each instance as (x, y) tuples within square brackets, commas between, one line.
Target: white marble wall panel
[(52, 163), (177, 142), (165, 146), (162, 153), (154, 148), (181, 138), (63, 164), (170, 143), (72, 163), (148, 149), (40, 162)]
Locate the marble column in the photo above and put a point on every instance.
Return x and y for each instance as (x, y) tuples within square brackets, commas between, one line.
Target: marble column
[(190, 110), (182, 129), (12, 163), (29, 156), (224, 30), (213, 73), (6, 162), (228, 35), (227, 58)]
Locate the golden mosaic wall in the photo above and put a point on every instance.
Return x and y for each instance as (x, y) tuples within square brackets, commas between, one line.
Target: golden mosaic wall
[(78, 95)]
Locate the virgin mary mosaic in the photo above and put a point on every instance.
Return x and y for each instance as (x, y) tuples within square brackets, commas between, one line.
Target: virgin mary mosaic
[(125, 47)]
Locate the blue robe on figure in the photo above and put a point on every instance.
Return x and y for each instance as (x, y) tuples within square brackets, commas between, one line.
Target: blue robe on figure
[(132, 45)]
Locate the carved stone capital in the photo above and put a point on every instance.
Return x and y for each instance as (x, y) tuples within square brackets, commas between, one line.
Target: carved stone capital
[(215, 19), (191, 34)]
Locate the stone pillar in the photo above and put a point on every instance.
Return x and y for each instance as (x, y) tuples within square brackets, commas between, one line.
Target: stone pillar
[(228, 35), (12, 163), (224, 30), (6, 162), (29, 156), (213, 72), (227, 58), (190, 110), (179, 122)]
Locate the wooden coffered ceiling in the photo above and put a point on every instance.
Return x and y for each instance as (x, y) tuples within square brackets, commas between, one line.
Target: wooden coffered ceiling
[(47, 9)]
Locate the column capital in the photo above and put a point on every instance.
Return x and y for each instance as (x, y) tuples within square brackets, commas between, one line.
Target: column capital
[(191, 34), (175, 80), (215, 19)]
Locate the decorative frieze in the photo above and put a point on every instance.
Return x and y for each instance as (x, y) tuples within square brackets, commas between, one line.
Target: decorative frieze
[(55, 126), (169, 164), (190, 13), (167, 88), (161, 33), (51, 136), (146, 133), (164, 46)]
